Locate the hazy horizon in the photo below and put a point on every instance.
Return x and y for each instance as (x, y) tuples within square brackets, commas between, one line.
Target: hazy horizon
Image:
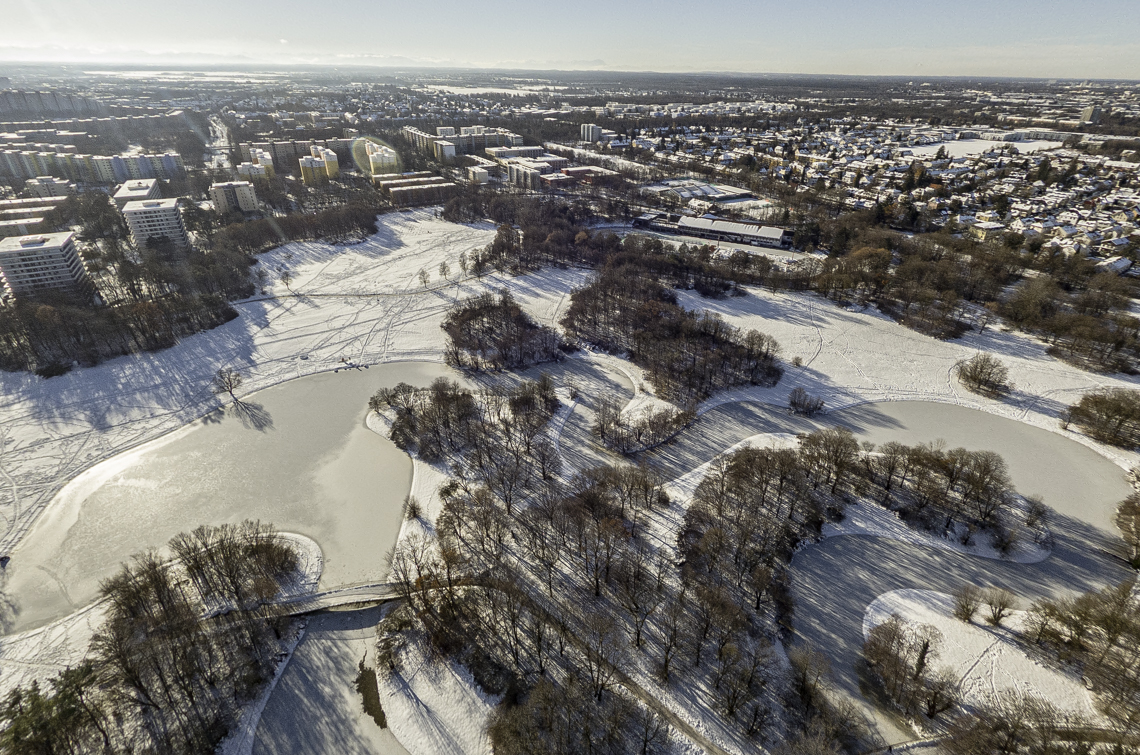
[(1018, 39)]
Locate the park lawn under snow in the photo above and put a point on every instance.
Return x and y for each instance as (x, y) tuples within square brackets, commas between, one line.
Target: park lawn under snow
[(987, 660), (434, 707), (365, 304), (356, 304), (858, 355)]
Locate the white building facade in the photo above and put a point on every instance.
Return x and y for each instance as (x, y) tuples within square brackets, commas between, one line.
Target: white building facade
[(156, 218), (48, 262)]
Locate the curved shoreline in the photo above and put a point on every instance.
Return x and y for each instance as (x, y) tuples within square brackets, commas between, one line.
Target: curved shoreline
[(67, 638), (312, 467), (166, 436)]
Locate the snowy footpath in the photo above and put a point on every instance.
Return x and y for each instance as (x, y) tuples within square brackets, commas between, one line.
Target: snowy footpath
[(366, 304)]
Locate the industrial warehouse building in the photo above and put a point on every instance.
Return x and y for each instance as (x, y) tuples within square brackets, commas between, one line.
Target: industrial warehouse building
[(716, 229)]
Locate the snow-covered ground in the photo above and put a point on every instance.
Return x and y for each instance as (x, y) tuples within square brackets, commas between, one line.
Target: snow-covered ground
[(854, 356), (359, 304), (864, 518), (973, 147), (40, 654), (436, 708), (986, 660), (365, 304)]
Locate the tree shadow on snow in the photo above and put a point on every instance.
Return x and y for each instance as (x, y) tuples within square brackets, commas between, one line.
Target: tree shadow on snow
[(253, 416)]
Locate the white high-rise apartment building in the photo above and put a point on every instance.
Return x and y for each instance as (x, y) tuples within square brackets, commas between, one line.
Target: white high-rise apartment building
[(133, 191), (47, 262), (233, 195), (381, 159), (47, 186), (154, 218), (591, 132)]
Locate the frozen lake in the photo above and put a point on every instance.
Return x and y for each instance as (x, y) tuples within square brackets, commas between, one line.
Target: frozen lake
[(297, 455), (1073, 479)]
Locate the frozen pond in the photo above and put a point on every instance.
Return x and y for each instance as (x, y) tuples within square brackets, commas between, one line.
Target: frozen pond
[(1073, 479), (297, 455)]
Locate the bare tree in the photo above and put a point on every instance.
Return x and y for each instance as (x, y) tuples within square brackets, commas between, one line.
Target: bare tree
[(602, 650), (1000, 602), (967, 600), (227, 380)]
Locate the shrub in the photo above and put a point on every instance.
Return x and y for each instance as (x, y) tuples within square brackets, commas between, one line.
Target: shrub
[(1000, 603), (802, 402), (984, 374)]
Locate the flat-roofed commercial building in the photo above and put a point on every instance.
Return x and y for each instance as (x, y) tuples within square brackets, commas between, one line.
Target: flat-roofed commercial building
[(43, 263), (156, 218), (731, 231)]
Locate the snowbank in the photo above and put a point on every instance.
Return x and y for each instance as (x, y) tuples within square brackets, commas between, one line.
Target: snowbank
[(435, 708)]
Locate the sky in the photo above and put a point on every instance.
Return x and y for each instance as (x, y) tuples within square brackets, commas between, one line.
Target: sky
[(1016, 38)]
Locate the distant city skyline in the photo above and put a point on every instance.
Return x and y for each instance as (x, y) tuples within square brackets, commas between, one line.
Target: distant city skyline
[(1017, 38)]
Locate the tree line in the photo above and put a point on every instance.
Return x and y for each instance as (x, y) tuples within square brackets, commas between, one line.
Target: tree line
[(183, 646)]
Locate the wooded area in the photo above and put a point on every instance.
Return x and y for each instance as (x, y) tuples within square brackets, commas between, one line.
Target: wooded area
[(494, 333), (183, 647)]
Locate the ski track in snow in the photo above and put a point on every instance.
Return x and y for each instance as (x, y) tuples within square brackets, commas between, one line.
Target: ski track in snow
[(372, 309)]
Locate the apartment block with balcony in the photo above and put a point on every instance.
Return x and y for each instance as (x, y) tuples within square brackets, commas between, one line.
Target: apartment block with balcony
[(43, 263), (156, 218)]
